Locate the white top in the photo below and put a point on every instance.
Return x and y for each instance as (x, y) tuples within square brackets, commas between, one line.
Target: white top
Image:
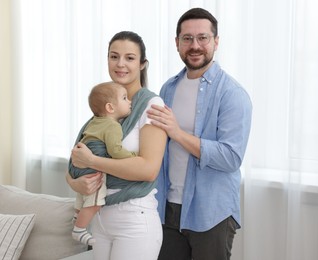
[(131, 141)]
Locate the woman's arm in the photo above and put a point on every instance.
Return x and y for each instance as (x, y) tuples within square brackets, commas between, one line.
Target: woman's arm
[(144, 167)]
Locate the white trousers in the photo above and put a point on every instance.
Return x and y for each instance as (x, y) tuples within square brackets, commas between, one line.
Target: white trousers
[(129, 230)]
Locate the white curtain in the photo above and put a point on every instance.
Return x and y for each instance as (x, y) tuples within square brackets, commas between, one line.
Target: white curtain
[(270, 47)]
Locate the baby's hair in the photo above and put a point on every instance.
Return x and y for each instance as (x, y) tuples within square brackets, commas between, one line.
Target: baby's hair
[(102, 94)]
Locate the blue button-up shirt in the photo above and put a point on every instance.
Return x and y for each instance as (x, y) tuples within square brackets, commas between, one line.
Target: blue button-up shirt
[(223, 121)]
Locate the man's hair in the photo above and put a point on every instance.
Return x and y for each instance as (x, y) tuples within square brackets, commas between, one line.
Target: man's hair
[(102, 94), (198, 13)]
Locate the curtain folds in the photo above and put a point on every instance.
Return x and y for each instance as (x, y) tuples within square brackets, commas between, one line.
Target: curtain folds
[(270, 47)]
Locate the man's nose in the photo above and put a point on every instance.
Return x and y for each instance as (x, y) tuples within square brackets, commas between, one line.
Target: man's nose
[(195, 42)]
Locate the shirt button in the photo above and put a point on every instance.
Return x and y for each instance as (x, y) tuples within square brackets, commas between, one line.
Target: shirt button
[(199, 111), (201, 89)]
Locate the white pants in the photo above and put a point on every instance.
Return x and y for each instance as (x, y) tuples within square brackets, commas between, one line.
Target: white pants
[(128, 230)]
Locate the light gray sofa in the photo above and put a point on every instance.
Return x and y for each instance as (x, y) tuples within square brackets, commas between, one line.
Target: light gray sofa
[(50, 237)]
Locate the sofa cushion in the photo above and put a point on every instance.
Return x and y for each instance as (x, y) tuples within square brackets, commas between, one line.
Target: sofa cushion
[(14, 232), (51, 235)]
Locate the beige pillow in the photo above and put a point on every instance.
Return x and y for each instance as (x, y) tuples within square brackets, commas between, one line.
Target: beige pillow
[(14, 232), (51, 237)]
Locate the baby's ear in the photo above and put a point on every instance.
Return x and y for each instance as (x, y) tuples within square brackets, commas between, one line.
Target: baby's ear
[(109, 108)]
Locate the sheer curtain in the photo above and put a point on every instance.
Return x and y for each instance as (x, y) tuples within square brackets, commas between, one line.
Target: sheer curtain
[(271, 47), (280, 184)]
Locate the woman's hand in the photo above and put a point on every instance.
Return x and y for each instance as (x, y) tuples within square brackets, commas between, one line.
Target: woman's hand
[(81, 156), (86, 184)]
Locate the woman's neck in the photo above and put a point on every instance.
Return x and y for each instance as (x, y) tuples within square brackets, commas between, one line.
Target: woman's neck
[(132, 90)]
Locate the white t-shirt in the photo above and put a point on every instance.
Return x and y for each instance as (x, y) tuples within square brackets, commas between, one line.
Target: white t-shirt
[(131, 141)]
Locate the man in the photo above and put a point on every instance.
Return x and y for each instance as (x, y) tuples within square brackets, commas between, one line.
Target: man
[(207, 118)]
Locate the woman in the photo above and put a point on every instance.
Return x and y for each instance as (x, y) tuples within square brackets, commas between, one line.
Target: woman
[(128, 227)]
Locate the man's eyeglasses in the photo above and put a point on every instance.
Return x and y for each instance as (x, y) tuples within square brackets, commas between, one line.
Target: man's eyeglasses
[(202, 39)]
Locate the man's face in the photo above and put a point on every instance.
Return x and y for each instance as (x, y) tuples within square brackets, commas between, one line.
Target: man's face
[(194, 48)]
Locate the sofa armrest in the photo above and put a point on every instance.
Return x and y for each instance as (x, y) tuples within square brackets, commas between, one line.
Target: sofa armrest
[(51, 235)]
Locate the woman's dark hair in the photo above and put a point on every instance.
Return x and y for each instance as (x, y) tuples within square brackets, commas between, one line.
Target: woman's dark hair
[(198, 13), (134, 37)]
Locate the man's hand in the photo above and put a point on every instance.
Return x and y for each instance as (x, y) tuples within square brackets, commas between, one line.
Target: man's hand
[(164, 118)]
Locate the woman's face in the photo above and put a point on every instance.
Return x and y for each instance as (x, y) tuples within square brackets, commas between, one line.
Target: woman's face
[(124, 63)]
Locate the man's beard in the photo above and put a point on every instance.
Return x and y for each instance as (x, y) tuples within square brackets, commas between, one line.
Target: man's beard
[(205, 62)]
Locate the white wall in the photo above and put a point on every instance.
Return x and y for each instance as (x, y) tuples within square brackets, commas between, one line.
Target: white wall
[(5, 93)]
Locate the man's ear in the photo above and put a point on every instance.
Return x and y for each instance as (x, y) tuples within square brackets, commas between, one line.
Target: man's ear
[(177, 43), (216, 43), (109, 108)]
